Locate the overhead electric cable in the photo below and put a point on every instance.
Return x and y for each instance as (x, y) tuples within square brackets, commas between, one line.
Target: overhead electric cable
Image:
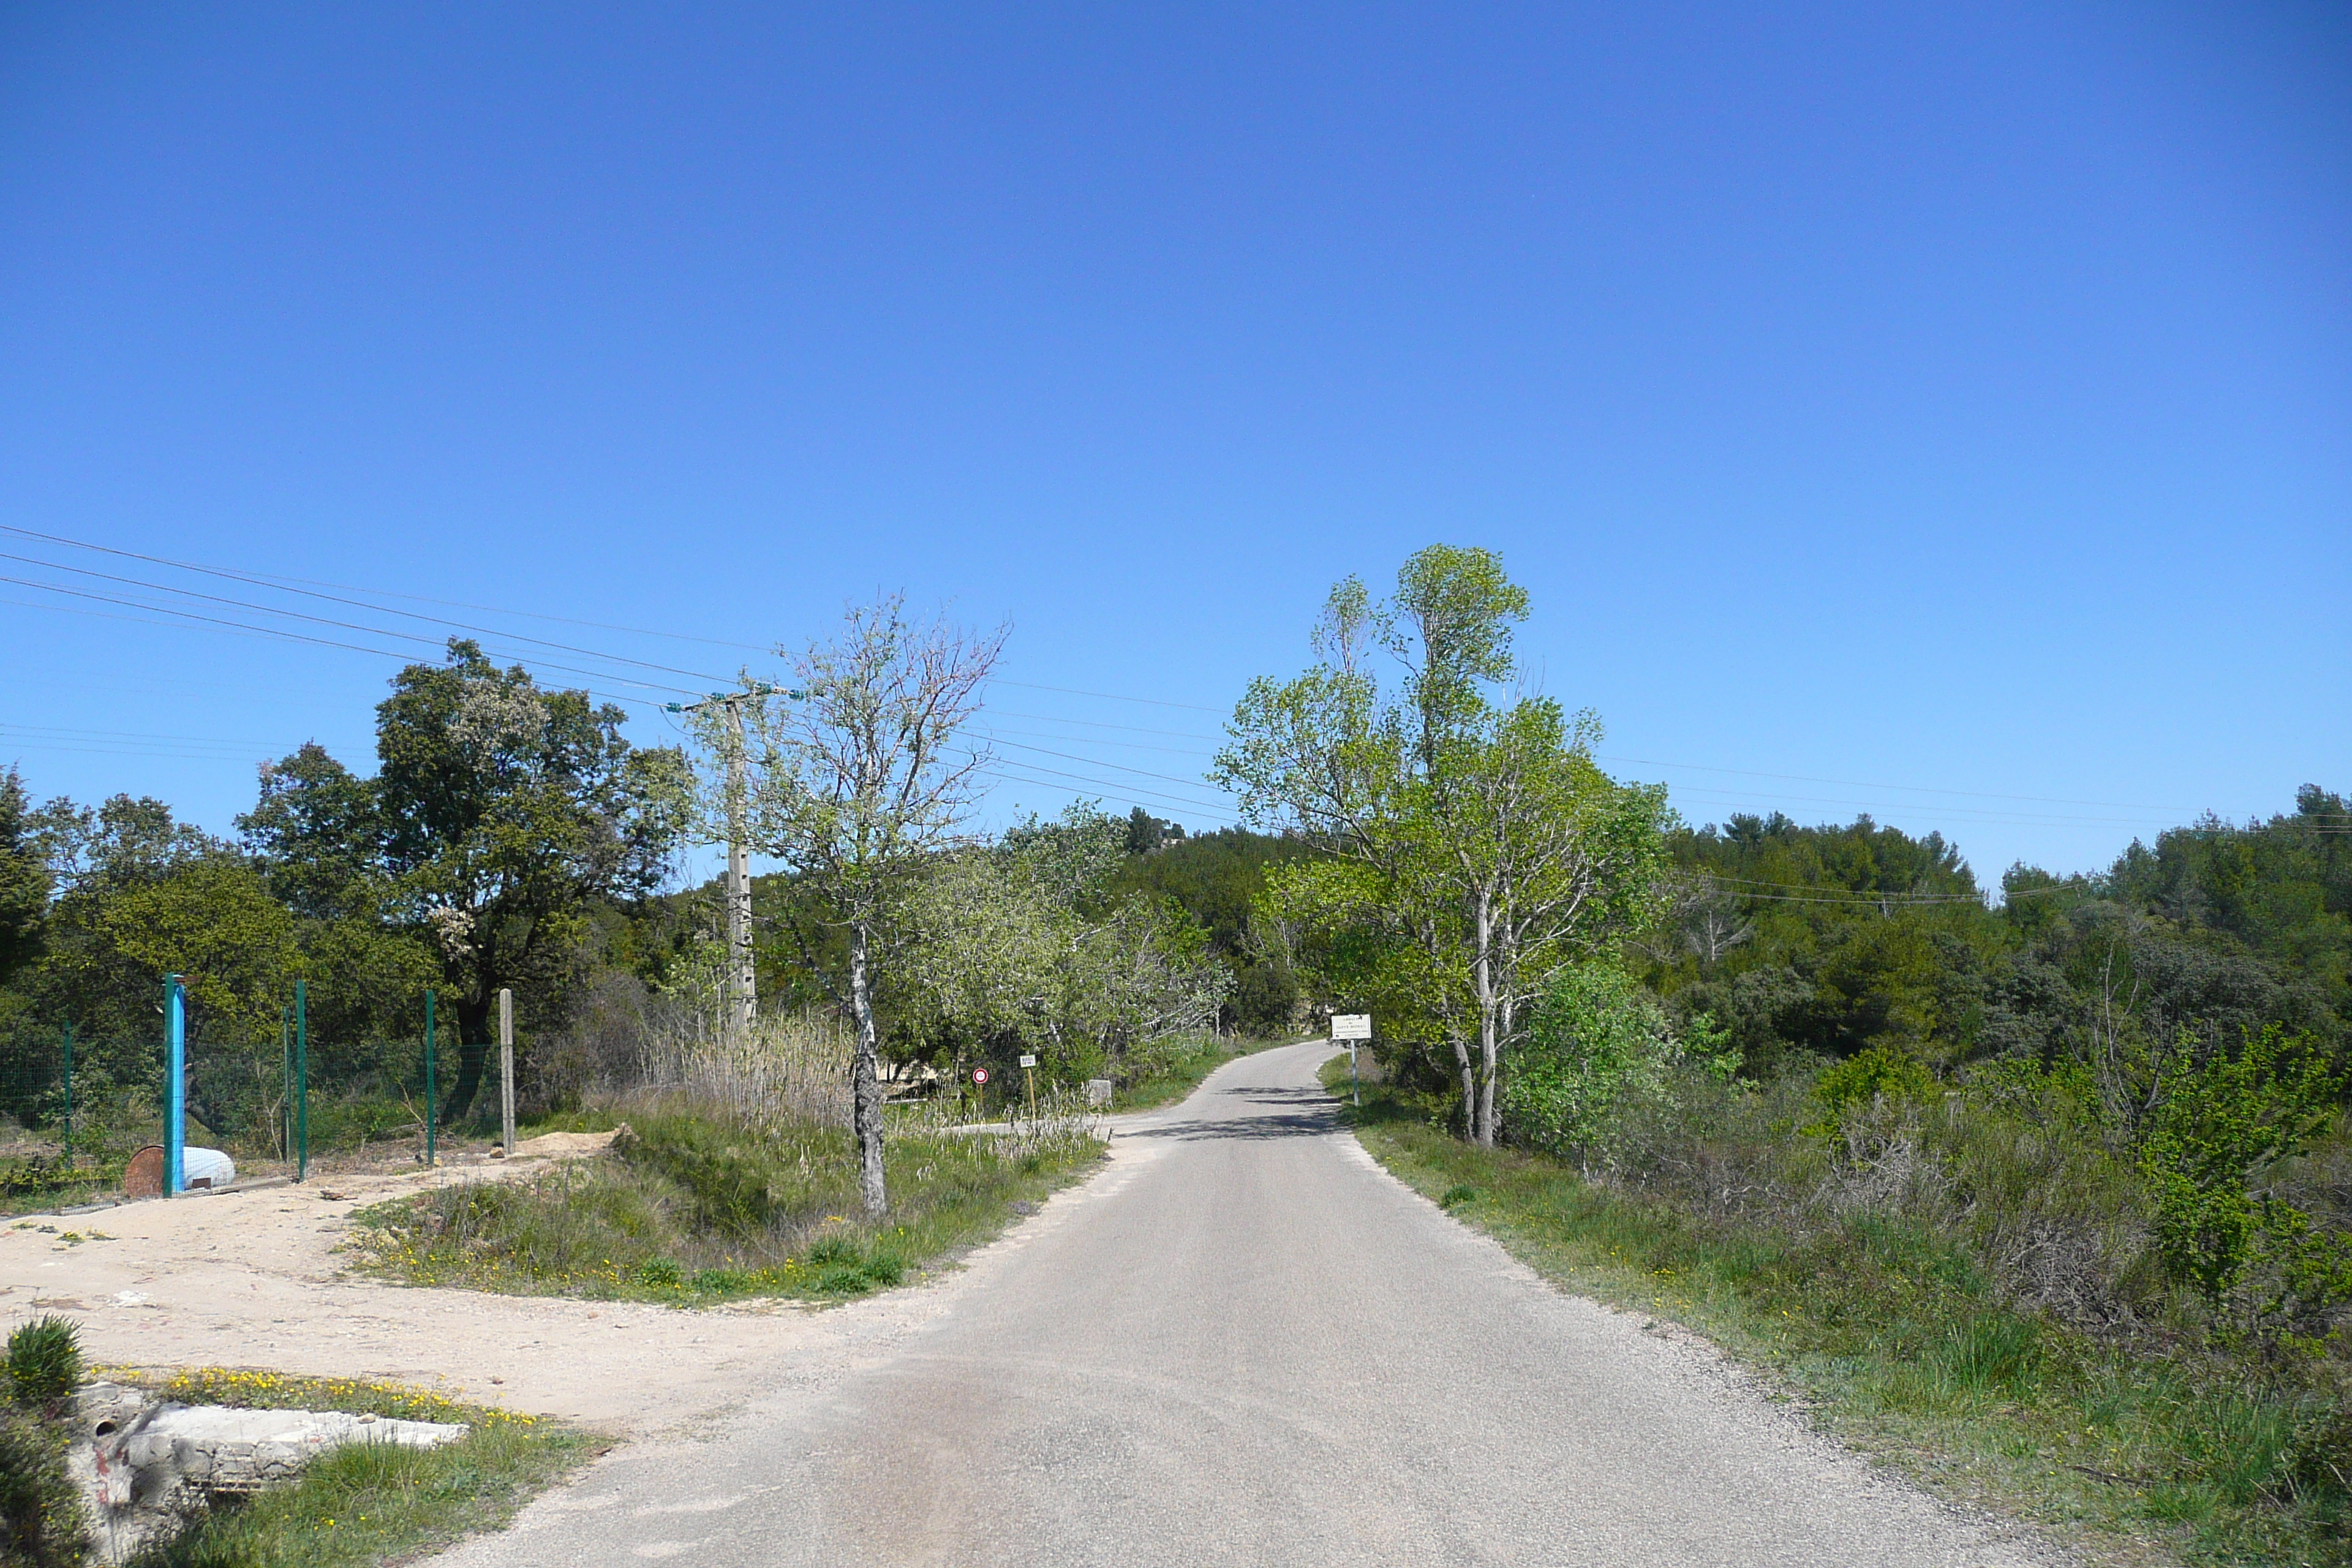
[(1192, 809), (1983, 813), (315, 620), (1099, 763), (1105, 695), (265, 580), (1907, 789), (1091, 741), (1103, 724), (251, 630), (1109, 784)]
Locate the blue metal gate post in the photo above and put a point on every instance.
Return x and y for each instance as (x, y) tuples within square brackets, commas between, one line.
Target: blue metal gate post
[(175, 1086)]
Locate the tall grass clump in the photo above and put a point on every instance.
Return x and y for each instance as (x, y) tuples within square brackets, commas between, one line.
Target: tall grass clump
[(735, 1177), (44, 1362), (41, 1522), (788, 1068)]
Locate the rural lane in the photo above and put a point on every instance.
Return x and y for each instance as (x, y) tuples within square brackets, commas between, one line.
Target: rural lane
[(1244, 1343)]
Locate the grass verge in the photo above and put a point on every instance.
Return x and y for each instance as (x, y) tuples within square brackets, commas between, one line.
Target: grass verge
[(1899, 1344), (367, 1503), (695, 1207)]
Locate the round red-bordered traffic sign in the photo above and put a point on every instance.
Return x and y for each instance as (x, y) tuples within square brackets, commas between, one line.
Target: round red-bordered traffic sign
[(980, 1075)]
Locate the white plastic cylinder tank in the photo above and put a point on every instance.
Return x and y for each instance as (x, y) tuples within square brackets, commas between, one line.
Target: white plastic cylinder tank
[(206, 1168)]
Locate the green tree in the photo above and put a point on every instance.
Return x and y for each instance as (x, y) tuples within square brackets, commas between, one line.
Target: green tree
[(1598, 1041), (1217, 877), (1028, 946), (507, 812), (24, 879), (1477, 847), (97, 857), (317, 831)]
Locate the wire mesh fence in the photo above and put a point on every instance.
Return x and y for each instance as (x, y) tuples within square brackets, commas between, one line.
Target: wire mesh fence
[(74, 1108)]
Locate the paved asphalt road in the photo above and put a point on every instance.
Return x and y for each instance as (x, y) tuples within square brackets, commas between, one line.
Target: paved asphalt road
[(1244, 1343)]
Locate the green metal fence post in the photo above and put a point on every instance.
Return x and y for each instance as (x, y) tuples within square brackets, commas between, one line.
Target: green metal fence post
[(429, 1116), (285, 1081), (301, 1081), (69, 1097)]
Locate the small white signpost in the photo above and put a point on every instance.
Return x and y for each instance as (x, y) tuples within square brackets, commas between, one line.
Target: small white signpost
[(1354, 1028)]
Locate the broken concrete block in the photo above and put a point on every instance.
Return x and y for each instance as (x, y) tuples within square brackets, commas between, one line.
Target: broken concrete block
[(144, 1465)]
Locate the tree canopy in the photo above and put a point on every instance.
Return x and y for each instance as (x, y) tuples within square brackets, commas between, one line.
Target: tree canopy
[(1472, 848)]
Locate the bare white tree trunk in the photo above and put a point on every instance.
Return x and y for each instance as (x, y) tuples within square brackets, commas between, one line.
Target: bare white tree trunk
[(865, 1075), (1482, 964)]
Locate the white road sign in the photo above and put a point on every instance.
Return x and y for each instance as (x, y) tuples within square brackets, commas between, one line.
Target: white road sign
[(1028, 1061), (1351, 1026)]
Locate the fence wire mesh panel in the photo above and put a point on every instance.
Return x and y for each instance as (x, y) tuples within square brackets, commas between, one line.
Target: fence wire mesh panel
[(74, 1108)]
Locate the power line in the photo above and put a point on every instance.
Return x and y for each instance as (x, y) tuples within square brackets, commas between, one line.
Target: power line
[(308, 586), (1105, 695), (247, 629), (1102, 724), (315, 620), (1094, 762), (1908, 789), (129, 734), (1093, 741), (262, 581), (1182, 750), (997, 765)]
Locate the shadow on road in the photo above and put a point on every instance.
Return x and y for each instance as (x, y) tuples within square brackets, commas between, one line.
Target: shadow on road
[(1277, 1113)]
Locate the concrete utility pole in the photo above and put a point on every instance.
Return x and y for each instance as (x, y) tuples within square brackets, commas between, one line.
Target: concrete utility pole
[(742, 979), (741, 1009)]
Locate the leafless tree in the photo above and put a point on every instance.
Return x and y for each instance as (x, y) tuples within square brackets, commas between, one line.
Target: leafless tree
[(859, 782)]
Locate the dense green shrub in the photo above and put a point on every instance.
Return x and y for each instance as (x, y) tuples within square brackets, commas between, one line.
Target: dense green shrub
[(2228, 1118), (1867, 1078), (44, 1362), (41, 1523), (1598, 1045)]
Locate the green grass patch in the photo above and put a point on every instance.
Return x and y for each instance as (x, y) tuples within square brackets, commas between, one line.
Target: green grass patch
[(368, 1503), (695, 1209), (1894, 1335), (44, 1183)]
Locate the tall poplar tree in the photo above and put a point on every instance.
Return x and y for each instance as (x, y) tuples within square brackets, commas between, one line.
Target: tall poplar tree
[(1475, 849)]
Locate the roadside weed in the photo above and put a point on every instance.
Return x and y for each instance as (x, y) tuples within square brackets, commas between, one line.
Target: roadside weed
[(1901, 1345), (695, 1207), (43, 1361)]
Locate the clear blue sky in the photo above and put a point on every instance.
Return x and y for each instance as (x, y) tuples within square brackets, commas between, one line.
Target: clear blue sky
[(1953, 402)]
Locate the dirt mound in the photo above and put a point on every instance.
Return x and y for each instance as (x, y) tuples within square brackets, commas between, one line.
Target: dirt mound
[(553, 1145)]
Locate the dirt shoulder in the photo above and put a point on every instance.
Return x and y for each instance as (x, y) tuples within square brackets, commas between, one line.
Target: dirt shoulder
[(252, 1279)]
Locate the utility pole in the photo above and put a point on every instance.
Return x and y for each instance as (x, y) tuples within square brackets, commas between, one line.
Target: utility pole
[(741, 1002), (742, 978)]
